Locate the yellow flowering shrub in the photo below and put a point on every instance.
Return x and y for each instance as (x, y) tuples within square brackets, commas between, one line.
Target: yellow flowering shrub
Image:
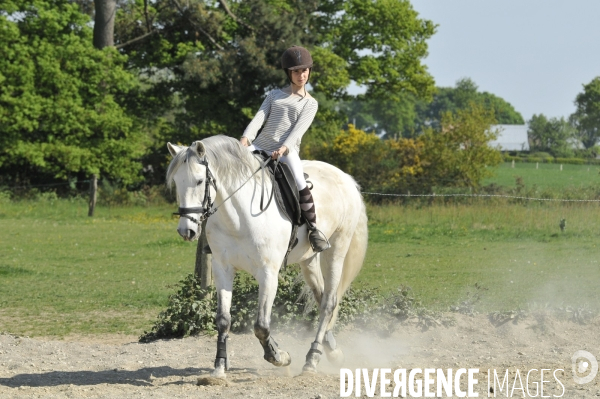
[(388, 165)]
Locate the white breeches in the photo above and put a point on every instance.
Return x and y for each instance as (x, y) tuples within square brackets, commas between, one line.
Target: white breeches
[(292, 159)]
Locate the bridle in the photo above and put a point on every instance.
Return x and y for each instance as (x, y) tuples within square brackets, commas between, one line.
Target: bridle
[(207, 209), (207, 204)]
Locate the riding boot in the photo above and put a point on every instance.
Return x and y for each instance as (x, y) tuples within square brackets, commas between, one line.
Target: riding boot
[(317, 239)]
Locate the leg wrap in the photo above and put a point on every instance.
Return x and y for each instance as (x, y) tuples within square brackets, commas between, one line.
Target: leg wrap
[(222, 352), (222, 347), (316, 347), (313, 357)]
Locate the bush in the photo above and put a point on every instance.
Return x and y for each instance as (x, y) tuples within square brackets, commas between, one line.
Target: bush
[(540, 154), (456, 155), (192, 310), (572, 161), (110, 194), (388, 166), (4, 197)]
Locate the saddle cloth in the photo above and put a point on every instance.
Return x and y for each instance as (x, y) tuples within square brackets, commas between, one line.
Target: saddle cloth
[(286, 196)]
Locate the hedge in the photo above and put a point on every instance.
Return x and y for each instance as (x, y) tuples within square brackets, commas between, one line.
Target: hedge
[(571, 161)]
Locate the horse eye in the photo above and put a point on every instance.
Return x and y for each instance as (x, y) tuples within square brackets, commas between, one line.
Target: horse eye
[(199, 182)]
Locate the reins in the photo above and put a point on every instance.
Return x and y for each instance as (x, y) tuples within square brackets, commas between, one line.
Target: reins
[(207, 209)]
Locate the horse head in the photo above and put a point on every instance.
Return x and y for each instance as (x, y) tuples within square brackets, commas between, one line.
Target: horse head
[(195, 186)]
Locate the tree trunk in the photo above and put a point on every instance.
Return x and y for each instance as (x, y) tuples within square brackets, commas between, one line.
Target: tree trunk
[(104, 23), (104, 28), (203, 267), (93, 191)]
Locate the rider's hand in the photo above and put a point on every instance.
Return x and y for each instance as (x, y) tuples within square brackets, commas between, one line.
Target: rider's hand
[(280, 152), (245, 142)]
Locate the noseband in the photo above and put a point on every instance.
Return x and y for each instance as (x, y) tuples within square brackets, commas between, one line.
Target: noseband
[(207, 205)]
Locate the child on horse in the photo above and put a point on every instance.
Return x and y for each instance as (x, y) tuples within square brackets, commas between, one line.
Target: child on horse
[(287, 114)]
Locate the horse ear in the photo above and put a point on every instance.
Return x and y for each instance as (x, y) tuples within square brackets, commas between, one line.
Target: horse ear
[(174, 149), (198, 146)]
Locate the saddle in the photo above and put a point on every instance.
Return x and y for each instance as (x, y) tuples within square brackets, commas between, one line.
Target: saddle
[(285, 192)]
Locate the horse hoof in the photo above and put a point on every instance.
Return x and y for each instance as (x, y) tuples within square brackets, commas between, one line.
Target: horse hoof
[(335, 357), (312, 360), (284, 359), (218, 372), (309, 369), (220, 366)]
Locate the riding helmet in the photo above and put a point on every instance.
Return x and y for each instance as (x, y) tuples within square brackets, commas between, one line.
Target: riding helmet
[(296, 57)]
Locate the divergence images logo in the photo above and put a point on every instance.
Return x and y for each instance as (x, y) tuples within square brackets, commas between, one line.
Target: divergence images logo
[(585, 367)]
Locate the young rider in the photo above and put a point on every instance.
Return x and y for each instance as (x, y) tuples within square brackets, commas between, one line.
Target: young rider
[(286, 114)]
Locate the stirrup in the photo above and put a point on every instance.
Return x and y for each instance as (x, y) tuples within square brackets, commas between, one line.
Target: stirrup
[(317, 239)]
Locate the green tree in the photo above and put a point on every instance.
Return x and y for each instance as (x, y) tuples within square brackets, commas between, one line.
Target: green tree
[(407, 115), (217, 60), (382, 43), (587, 115), (452, 99), (457, 154), (551, 135), (61, 112), (388, 118)]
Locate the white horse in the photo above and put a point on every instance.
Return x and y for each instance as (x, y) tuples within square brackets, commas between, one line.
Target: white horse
[(242, 237)]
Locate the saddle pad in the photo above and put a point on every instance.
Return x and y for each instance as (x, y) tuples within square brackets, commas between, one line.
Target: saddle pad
[(285, 191)]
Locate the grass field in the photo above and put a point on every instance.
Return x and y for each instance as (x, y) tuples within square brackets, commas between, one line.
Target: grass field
[(546, 176), (63, 273), (517, 254)]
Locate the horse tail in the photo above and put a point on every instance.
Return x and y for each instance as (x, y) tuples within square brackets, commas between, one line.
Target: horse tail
[(354, 259)]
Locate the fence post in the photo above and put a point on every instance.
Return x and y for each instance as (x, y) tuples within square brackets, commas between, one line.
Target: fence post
[(203, 267), (513, 164), (537, 165), (561, 167), (93, 194)]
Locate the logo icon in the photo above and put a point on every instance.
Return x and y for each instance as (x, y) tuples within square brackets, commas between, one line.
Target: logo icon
[(585, 367), (298, 55)]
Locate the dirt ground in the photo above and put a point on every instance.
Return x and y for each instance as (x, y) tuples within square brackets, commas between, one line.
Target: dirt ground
[(120, 367)]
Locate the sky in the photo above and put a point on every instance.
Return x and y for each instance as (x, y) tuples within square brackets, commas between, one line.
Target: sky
[(535, 54)]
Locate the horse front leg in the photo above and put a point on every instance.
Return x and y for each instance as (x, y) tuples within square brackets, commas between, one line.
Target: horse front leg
[(266, 295), (224, 284)]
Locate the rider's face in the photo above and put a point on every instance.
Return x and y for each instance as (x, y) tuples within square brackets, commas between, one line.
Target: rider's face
[(300, 76)]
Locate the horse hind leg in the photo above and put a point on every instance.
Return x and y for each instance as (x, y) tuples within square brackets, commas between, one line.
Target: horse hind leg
[(340, 266), (266, 296), (331, 267), (353, 262), (314, 279)]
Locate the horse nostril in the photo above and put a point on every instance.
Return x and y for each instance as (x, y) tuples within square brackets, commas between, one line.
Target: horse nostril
[(191, 234)]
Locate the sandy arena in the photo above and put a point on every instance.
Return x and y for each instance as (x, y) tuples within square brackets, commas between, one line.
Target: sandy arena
[(120, 367)]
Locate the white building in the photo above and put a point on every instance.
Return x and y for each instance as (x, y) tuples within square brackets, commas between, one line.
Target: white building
[(510, 138)]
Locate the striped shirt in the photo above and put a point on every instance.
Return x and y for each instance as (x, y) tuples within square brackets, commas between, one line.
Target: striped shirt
[(287, 117)]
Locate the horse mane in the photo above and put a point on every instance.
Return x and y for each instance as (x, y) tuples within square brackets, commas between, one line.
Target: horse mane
[(227, 158)]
